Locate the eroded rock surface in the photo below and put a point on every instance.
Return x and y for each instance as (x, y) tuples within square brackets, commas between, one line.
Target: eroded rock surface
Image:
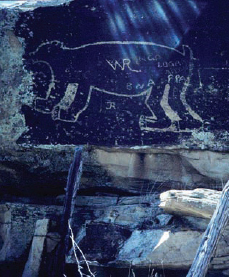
[(17, 228), (156, 116), (116, 170), (197, 203), (159, 239)]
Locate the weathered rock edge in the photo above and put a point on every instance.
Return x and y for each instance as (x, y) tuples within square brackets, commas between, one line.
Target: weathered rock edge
[(198, 202), (169, 245)]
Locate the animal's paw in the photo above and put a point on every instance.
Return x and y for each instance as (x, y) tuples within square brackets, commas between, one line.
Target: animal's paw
[(43, 105)]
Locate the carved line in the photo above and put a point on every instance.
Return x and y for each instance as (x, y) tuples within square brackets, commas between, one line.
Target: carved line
[(146, 92), (183, 95), (125, 63), (171, 128), (69, 96), (57, 42), (50, 87), (171, 114)]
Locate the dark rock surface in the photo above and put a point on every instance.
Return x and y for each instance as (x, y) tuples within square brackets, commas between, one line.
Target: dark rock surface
[(147, 86), (116, 74)]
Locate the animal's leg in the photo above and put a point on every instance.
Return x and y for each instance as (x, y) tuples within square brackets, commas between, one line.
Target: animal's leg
[(44, 86), (189, 118), (159, 119), (170, 113), (71, 105), (193, 119)]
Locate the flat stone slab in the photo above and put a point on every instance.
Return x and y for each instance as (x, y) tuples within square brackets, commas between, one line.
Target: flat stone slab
[(170, 249), (197, 202), (32, 266), (117, 246)]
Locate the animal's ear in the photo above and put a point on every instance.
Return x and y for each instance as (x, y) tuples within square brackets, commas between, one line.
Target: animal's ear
[(41, 67), (46, 47)]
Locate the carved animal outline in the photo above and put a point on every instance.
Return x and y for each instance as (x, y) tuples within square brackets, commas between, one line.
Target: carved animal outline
[(64, 107)]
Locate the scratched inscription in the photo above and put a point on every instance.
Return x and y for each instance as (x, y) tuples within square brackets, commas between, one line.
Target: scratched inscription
[(117, 77), (122, 92)]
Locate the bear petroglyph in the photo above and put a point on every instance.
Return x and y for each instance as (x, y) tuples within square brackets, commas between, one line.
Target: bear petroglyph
[(158, 75)]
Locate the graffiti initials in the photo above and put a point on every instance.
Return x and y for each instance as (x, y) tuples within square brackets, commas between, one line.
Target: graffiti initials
[(125, 63)]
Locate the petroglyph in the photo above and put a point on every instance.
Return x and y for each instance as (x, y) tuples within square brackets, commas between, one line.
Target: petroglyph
[(145, 95), (172, 115), (69, 96), (40, 101), (110, 105), (146, 43), (83, 72), (125, 64)]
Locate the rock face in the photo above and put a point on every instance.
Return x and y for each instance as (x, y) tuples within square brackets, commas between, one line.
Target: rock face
[(116, 231), (114, 90), (150, 111), (173, 250), (159, 239), (115, 170), (191, 203), (17, 227)]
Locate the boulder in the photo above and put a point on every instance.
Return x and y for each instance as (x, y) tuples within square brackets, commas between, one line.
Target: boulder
[(197, 202), (168, 249)]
